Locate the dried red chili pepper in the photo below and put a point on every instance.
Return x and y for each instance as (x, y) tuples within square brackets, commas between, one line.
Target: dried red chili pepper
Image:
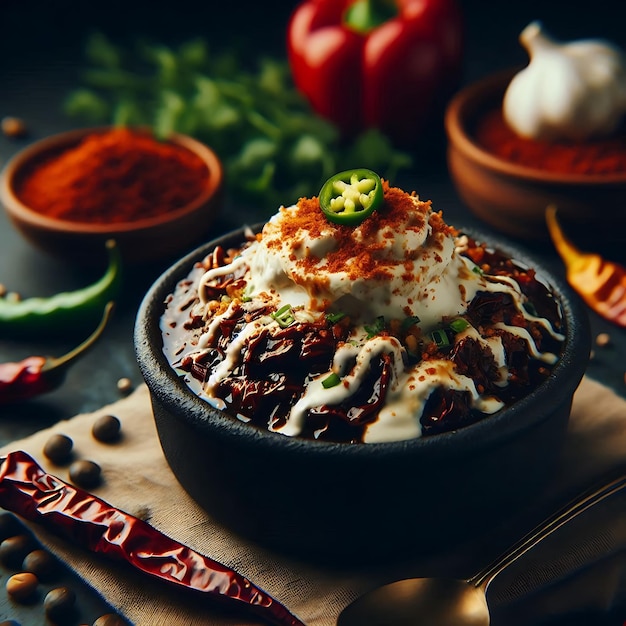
[(601, 283), (92, 523), (36, 375)]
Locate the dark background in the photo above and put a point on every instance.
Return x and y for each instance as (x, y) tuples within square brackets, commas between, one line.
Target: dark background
[(41, 57)]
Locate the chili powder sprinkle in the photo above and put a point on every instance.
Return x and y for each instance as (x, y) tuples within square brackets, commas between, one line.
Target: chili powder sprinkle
[(362, 259), (120, 175)]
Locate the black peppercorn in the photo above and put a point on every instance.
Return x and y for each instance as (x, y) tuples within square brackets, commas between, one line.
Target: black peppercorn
[(14, 549), (59, 603), (85, 473), (58, 449), (106, 428), (41, 563)]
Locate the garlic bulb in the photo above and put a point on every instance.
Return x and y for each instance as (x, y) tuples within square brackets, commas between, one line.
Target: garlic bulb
[(570, 91)]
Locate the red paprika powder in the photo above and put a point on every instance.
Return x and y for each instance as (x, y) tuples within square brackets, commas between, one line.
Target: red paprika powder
[(120, 175), (594, 156)]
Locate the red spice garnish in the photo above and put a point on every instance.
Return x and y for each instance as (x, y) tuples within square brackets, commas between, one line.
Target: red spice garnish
[(594, 156), (364, 259), (116, 176)]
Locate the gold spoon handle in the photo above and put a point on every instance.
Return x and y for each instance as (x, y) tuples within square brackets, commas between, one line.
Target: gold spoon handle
[(546, 528)]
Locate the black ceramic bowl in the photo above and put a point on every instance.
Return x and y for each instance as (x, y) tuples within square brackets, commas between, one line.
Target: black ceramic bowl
[(364, 502)]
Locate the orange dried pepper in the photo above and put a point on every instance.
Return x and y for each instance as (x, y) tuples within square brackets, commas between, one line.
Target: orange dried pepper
[(601, 283)]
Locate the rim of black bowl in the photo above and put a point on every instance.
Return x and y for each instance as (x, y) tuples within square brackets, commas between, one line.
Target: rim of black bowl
[(456, 123), (178, 399), (68, 139)]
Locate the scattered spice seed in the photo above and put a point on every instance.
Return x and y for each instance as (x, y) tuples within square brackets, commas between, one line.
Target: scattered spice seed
[(124, 385), (21, 587), (13, 127), (106, 428), (41, 563), (84, 473), (58, 448), (59, 603), (14, 549), (603, 339)]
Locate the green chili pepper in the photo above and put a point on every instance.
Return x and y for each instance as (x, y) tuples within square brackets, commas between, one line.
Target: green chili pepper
[(69, 310), (351, 196)]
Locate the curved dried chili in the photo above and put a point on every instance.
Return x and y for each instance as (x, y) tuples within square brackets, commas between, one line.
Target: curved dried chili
[(601, 283)]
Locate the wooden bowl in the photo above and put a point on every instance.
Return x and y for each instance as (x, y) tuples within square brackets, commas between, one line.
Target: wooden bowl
[(145, 240), (513, 198)]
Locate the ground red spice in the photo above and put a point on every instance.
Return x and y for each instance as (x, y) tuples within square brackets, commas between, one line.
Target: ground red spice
[(364, 261), (117, 176), (597, 156)]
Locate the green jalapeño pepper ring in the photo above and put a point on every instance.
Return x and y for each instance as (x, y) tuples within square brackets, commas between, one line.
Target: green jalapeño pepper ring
[(67, 311), (349, 197)]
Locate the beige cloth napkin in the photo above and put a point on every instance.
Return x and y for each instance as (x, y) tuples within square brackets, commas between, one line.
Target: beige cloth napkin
[(138, 480)]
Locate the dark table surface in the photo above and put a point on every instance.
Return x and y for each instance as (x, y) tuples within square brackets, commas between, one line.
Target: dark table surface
[(41, 55)]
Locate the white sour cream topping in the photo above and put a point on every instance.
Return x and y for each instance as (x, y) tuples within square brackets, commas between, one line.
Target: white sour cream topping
[(425, 276)]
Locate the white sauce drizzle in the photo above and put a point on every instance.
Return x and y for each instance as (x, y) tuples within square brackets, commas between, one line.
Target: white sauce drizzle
[(218, 272), (494, 345), (546, 357), (316, 395), (443, 289), (400, 417)]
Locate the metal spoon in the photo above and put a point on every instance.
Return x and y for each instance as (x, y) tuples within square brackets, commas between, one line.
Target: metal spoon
[(449, 602)]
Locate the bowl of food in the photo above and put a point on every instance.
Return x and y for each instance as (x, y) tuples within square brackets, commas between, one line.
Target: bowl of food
[(69, 193), (515, 147), (337, 386)]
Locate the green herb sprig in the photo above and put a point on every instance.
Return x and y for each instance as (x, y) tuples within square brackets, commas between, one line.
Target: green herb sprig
[(274, 148)]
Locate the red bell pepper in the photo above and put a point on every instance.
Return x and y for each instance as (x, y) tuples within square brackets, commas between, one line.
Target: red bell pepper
[(389, 64)]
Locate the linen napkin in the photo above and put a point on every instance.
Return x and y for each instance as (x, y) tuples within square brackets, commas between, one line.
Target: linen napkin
[(137, 479)]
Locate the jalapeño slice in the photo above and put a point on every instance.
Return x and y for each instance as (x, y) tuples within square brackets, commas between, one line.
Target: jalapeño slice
[(349, 197)]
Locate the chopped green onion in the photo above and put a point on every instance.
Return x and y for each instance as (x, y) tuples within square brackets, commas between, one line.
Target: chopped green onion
[(377, 327), (333, 318), (331, 381), (477, 270), (440, 338), (459, 324), (284, 316), (407, 322)]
